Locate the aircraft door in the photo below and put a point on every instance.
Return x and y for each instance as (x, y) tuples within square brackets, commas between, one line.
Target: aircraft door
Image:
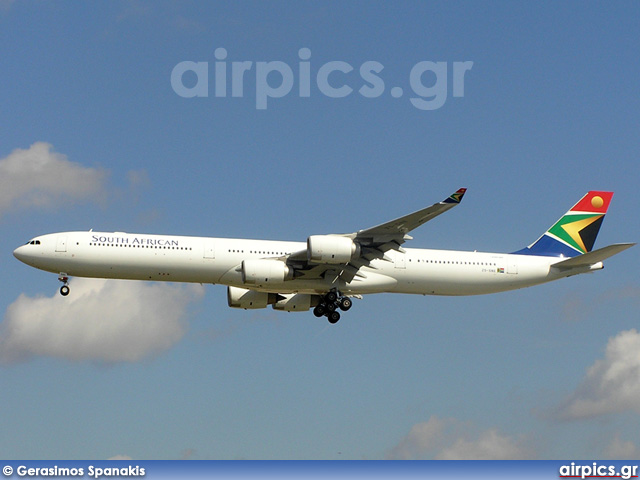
[(61, 245)]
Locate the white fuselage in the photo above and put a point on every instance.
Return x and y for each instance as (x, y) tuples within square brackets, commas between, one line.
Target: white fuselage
[(218, 261)]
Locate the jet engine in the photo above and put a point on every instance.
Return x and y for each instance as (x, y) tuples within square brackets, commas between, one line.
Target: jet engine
[(332, 249), (248, 299), (265, 272)]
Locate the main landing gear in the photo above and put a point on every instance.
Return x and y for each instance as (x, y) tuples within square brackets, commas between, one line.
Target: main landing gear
[(331, 302), (64, 289)]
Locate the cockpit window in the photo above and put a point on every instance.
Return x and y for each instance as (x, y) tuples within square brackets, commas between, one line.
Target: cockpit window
[(33, 242)]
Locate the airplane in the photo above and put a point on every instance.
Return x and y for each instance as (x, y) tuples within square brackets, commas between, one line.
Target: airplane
[(327, 271)]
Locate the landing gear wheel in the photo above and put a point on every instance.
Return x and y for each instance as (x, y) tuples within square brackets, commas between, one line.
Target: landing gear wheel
[(331, 297), (345, 304), (332, 301), (64, 289)]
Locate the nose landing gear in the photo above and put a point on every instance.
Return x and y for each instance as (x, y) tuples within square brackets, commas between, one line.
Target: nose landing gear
[(64, 289), (332, 301)]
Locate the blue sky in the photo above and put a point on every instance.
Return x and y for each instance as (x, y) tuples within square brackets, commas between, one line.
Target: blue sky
[(550, 111)]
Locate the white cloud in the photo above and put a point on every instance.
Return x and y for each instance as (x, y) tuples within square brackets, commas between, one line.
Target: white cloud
[(450, 439), (612, 384), (422, 438), (490, 445), (100, 320), (620, 450), (40, 177), (120, 457)]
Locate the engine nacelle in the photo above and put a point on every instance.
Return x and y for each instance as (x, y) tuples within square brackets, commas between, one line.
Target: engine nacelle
[(296, 302), (265, 272), (248, 299), (332, 249)]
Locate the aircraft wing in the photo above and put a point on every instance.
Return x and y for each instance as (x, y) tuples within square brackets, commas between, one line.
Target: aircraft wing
[(374, 242), (397, 229)]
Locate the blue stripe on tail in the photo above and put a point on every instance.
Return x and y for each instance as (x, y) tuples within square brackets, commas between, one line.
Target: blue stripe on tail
[(547, 246)]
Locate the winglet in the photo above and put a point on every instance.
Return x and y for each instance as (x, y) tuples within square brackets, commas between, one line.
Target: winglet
[(455, 197)]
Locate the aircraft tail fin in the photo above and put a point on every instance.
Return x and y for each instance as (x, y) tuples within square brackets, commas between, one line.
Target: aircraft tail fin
[(575, 233)]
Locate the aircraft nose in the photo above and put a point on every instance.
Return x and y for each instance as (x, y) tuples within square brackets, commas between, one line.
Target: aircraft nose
[(20, 253)]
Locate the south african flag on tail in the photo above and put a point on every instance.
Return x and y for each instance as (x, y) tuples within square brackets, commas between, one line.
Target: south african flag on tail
[(575, 233)]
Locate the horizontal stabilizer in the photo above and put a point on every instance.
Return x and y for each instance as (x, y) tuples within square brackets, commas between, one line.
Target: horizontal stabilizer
[(593, 257)]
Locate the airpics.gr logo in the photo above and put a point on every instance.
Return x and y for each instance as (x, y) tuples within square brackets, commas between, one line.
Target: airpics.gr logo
[(428, 80)]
